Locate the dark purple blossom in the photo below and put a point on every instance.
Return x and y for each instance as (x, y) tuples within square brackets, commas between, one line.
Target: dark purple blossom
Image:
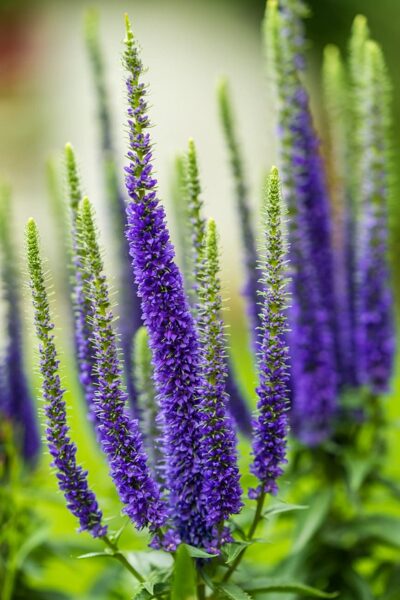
[(271, 422), (196, 230), (72, 479), (119, 433), (18, 404), (312, 313), (166, 314), (336, 100), (376, 332), (221, 491), (80, 303)]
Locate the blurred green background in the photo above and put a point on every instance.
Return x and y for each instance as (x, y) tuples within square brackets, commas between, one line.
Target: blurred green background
[(46, 99)]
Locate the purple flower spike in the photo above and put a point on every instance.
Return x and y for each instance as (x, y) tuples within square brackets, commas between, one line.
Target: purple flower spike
[(376, 331), (166, 313), (80, 303), (17, 403), (196, 228), (119, 433), (72, 479), (271, 422), (221, 489), (312, 314)]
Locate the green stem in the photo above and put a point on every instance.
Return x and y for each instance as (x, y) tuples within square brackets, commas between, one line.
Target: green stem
[(117, 554), (249, 537), (201, 591)]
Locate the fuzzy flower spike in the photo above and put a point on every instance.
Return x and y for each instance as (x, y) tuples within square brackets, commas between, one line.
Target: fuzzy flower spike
[(252, 286), (166, 313), (129, 313), (80, 303), (18, 404), (119, 433), (270, 426), (196, 226), (221, 490), (72, 479), (376, 340), (312, 357)]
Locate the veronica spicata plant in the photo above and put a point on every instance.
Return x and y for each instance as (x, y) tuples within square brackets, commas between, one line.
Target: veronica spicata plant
[(165, 405), (186, 493)]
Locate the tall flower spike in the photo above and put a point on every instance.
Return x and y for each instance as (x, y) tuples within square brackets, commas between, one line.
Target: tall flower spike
[(72, 479), (252, 287), (19, 404), (80, 302), (309, 168), (166, 313), (196, 232), (270, 426), (339, 124), (179, 214), (376, 343), (147, 400), (129, 313), (311, 314), (356, 67), (194, 214), (119, 433), (221, 489)]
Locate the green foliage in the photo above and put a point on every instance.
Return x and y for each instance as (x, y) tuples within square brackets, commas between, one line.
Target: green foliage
[(183, 585)]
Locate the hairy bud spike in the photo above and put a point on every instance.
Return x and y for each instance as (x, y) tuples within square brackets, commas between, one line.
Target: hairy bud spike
[(147, 400), (271, 422), (376, 340), (221, 489), (72, 479), (313, 313), (119, 434), (18, 404), (251, 288), (129, 313)]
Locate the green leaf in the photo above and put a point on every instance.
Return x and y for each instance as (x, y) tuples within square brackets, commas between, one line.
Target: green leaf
[(290, 586), (232, 551), (233, 591), (281, 507), (313, 519), (383, 529), (184, 576), (95, 554), (357, 470), (197, 552), (117, 534), (142, 595)]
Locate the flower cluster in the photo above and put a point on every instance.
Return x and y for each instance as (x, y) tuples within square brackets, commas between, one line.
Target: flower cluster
[(375, 327), (16, 402), (166, 314), (271, 425), (252, 286), (72, 479), (221, 490), (119, 434), (195, 227), (311, 316), (173, 459), (129, 315)]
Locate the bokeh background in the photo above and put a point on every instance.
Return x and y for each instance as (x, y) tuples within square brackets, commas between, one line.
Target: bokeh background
[(47, 99)]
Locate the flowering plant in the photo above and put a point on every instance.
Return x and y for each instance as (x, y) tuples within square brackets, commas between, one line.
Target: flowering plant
[(160, 388)]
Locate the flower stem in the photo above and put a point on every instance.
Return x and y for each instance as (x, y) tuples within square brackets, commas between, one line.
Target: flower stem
[(249, 537), (117, 554)]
